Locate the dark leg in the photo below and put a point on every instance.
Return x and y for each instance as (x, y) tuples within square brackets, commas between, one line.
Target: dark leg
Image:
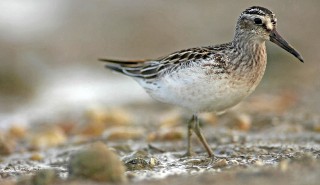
[(197, 131)]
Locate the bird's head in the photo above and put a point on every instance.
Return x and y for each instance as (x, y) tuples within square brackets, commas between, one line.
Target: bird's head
[(259, 23)]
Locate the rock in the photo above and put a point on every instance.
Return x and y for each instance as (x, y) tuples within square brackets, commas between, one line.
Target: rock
[(210, 118), (236, 120), (42, 177), (112, 117), (97, 163), (259, 163), (100, 119), (284, 165), (123, 133), (242, 122), (47, 137), (36, 157), (316, 127), (140, 160), (17, 131), (7, 146), (170, 119), (166, 135), (220, 163)]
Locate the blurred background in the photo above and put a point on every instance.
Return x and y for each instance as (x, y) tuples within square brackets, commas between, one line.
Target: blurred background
[(49, 49)]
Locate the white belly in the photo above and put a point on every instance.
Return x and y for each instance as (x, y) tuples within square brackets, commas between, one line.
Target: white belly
[(199, 91)]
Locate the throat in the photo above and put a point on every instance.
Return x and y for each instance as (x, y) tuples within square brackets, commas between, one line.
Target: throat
[(249, 65), (257, 53), (251, 52)]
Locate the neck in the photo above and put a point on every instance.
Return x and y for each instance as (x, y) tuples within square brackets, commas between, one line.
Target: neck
[(249, 45), (249, 49)]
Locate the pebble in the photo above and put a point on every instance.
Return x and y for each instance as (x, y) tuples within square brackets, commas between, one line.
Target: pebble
[(209, 118), (100, 119), (112, 117), (220, 163), (47, 137), (258, 163), (242, 122), (98, 163), (42, 177), (284, 165), (170, 119), (166, 135), (7, 146), (140, 160), (36, 157), (123, 133), (17, 131)]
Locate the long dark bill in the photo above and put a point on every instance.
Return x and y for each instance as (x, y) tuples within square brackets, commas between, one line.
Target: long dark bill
[(277, 39)]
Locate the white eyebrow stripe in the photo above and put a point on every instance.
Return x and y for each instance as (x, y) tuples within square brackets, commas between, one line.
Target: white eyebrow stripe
[(269, 25)]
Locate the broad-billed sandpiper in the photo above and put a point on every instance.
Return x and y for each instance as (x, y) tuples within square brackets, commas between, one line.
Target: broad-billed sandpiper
[(212, 78)]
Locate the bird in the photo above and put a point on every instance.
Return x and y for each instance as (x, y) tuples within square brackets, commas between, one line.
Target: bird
[(211, 78)]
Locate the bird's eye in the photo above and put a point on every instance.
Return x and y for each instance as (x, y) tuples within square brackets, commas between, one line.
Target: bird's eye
[(257, 21)]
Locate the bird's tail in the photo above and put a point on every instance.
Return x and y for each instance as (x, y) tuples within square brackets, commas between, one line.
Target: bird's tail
[(130, 68)]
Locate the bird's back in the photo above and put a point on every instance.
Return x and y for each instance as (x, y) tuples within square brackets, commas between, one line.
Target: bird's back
[(151, 69)]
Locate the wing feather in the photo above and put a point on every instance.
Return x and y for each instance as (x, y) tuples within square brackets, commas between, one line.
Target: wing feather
[(150, 69)]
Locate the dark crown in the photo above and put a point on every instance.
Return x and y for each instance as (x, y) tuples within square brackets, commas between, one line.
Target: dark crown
[(258, 10)]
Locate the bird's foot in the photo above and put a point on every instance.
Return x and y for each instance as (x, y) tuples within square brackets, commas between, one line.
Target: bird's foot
[(189, 154)]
